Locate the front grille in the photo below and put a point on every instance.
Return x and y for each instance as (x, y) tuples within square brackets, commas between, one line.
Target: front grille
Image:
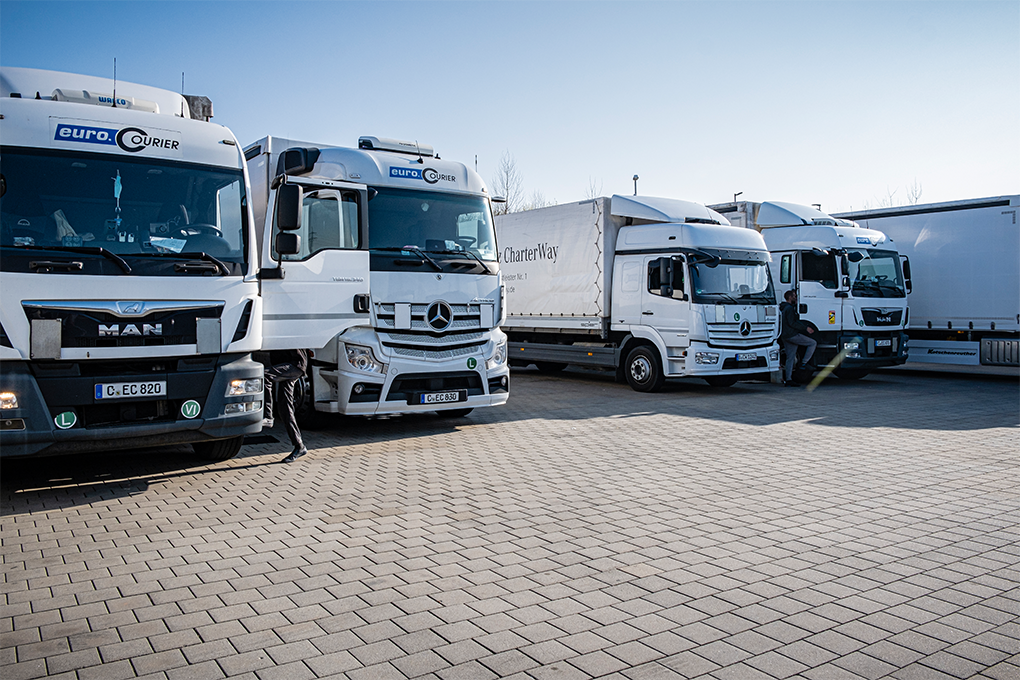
[(90, 328), (728, 335), (882, 317), (437, 355), (731, 363), (405, 386), (465, 317)]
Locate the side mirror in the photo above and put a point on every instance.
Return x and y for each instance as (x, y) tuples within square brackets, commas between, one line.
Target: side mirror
[(906, 273), (846, 282), (844, 264), (288, 243), (665, 276), (288, 207)]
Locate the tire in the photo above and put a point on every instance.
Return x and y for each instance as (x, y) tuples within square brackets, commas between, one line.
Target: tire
[(721, 380), (219, 449), (851, 373), (304, 408), (643, 370), (549, 367), (454, 412)]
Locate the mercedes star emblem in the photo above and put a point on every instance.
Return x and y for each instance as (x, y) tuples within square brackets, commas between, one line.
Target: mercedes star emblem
[(439, 315)]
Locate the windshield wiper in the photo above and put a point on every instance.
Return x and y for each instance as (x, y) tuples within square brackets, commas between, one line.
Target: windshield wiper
[(214, 263), (417, 251), (87, 250), (728, 298), (461, 252)]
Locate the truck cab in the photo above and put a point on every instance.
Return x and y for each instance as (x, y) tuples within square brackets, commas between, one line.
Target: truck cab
[(130, 302), (851, 282), (380, 259)]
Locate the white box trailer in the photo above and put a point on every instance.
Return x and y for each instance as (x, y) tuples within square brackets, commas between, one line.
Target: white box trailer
[(130, 303), (849, 280), (655, 288), (965, 267)]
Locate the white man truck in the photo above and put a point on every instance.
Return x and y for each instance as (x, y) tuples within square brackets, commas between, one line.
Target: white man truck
[(654, 288), (965, 302), (129, 293), (382, 261), (849, 281)]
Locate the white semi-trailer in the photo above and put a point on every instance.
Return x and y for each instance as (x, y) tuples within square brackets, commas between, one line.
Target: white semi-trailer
[(965, 265), (128, 281), (382, 261), (655, 288), (849, 280)]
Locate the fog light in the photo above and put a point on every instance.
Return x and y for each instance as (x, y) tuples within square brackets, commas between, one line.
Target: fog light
[(359, 388), (242, 407), (706, 357), (504, 381), (8, 400), (238, 388)]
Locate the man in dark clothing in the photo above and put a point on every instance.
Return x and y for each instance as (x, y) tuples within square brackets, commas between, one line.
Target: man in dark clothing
[(288, 367), (792, 335)]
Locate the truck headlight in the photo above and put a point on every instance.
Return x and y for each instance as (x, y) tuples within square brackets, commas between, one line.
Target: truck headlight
[(363, 359), (851, 345), (773, 355), (498, 357), (242, 407), (237, 388), (8, 400), (706, 357)]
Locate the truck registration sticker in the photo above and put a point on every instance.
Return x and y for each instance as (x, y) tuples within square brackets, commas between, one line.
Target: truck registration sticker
[(442, 397), (130, 389)]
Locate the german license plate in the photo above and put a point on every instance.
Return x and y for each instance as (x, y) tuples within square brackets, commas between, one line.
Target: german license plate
[(442, 397), (883, 343), (128, 390), (747, 357)]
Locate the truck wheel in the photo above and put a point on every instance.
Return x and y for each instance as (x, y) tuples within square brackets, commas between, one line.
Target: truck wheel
[(304, 406), (851, 373), (721, 380), (643, 371), (549, 367), (454, 412), (220, 449)]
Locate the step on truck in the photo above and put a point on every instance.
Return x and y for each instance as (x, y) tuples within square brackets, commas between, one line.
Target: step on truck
[(381, 260), (653, 288), (965, 302), (851, 282), (129, 294)]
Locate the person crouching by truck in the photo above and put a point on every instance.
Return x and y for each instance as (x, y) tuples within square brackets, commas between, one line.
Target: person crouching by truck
[(793, 336), (288, 367)]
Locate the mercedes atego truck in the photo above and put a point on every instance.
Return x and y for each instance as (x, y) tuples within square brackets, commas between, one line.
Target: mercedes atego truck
[(129, 294), (851, 282), (965, 261), (654, 288), (381, 260)]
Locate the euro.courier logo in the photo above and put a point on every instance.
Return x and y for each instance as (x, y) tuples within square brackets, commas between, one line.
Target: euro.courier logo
[(130, 139)]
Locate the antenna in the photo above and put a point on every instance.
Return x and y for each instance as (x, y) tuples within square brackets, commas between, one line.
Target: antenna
[(115, 82), (418, 149), (182, 94)]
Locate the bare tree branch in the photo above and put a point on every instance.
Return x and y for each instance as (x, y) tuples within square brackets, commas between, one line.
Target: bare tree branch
[(508, 183)]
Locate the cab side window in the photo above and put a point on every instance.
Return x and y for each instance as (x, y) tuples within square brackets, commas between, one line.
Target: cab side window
[(784, 269), (329, 221), (676, 276), (819, 268)]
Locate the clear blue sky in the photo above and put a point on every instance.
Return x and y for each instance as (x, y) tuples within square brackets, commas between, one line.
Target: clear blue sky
[(846, 104)]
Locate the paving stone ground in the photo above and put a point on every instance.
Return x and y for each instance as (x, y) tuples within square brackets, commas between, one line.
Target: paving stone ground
[(863, 530)]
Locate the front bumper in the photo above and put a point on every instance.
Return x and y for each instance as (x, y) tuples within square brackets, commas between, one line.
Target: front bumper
[(65, 393), (698, 361)]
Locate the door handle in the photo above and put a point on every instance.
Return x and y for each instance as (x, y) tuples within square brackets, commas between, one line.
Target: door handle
[(648, 312)]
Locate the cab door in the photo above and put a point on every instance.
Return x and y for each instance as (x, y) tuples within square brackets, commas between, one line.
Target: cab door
[(667, 310), (309, 296), (817, 287)]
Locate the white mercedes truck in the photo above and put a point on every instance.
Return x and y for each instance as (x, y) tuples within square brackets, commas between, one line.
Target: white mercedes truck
[(129, 294), (851, 284), (965, 260), (654, 288), (381, 260)]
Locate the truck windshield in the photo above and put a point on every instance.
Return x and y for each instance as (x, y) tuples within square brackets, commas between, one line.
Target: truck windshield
[(876, 273), (732, 282), (442, 225), (74, 210)]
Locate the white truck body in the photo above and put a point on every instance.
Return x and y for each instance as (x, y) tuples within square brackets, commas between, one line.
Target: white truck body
[(965, 268), (849, 281), (129, 286), (584, 286), (396, 288)]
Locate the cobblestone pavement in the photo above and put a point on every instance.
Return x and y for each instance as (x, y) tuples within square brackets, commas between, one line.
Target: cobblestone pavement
[(862, 530)]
